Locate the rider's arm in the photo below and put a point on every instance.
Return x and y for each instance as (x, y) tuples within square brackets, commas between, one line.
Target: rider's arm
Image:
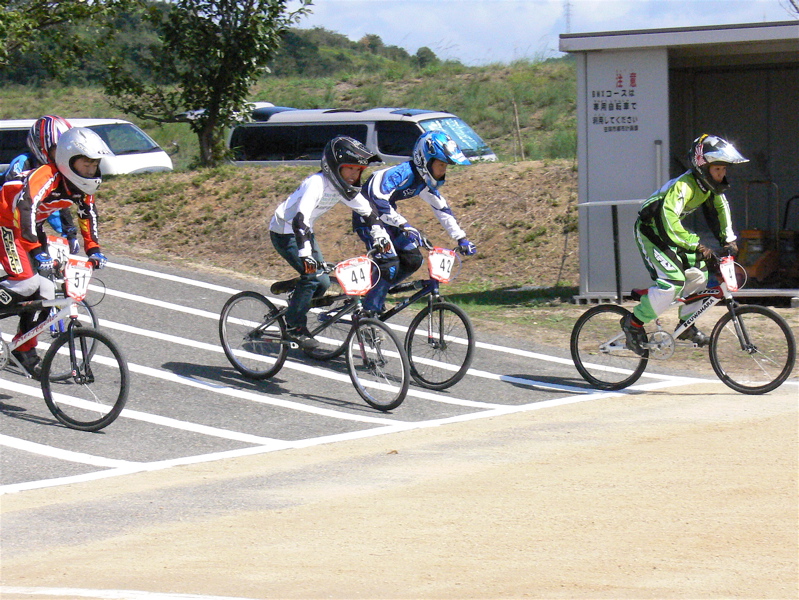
[(719, 219), (87, 219), (379, 190), (303, 204), (443, 213), (37, 187)]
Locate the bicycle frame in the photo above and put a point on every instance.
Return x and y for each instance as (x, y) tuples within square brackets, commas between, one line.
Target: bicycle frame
[(430, 288), (66, 308)]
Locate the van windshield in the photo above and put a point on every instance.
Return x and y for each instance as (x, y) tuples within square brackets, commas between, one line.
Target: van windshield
[(471, 144), (125, 138)]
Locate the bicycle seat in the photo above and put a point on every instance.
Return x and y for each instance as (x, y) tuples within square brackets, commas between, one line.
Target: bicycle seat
[(281, 287)]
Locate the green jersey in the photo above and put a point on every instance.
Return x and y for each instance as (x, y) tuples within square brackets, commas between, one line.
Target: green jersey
[(661, 216)]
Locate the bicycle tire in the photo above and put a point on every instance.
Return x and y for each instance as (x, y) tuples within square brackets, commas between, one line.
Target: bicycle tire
[(60, 327), (98, 382), (333, 338), (253, 335), (377, 364), (769, 357), (438, 357), (599, 349)]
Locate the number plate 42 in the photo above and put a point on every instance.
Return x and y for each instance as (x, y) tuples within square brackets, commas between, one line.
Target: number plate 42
[(441, 262)]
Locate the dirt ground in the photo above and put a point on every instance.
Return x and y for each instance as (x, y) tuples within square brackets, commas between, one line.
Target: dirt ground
[(682, 493)]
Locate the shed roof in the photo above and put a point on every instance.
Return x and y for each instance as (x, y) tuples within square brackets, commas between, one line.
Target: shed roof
[(777, 41)]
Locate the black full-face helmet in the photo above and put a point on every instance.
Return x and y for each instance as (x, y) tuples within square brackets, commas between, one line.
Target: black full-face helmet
[(710, 150), (344, 151)]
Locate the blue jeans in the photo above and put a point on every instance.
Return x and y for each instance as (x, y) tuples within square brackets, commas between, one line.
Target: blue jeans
[(310, 286)]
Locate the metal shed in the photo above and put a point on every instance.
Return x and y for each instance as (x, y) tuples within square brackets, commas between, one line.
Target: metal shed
[(642, 97)]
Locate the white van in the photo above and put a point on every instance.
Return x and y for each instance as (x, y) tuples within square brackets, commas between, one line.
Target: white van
[(279, 134), (134, 151)]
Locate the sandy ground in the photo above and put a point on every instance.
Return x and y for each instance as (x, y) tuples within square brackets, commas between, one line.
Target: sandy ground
[(682, 493)]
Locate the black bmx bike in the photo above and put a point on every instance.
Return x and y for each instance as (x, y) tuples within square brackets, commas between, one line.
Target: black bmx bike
[(253, 333)]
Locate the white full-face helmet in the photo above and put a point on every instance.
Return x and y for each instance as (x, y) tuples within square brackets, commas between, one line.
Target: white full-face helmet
[(77, 142)]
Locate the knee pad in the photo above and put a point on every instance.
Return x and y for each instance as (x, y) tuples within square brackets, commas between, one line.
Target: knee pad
[(388, 268), (24, 288), (410, 261)]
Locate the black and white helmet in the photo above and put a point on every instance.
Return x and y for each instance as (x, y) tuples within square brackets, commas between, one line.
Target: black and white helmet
[(345, 151), (708, 150), (76, 142)]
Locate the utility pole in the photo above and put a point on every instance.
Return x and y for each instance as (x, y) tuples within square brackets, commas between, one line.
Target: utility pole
[(567, 12)]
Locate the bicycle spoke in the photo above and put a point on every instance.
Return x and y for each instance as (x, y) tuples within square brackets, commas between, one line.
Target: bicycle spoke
[(95, 392), (599, 350), (377, 364), (252, 335), (754, 353), (440, 346)]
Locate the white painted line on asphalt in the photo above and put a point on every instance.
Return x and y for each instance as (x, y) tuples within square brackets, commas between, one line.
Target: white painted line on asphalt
[(473, 372), (289, 364), (175, 278), (60, 454), (306, 443)]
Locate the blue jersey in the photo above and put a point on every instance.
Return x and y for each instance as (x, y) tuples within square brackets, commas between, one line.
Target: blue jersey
[(388, 186)]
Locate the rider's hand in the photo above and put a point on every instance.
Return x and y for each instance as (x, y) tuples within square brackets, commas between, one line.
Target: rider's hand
[(730, 249), (310, 265), (45, 262), (413, 234), (466, 247), (380, 239), (98, 259), (705, 252)]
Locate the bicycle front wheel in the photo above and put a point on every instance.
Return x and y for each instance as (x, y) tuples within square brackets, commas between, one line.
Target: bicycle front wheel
[(377, 364), (95, 392), (752, 351), (599, 349), (333, 338), (440, 345), (85, 315), (253, 335)]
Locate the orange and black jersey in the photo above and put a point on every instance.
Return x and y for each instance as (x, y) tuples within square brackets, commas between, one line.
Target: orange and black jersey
[(44, 192)]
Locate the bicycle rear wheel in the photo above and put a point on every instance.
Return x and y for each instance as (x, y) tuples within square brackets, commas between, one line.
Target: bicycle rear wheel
[(253, 335), (599, 349), (95, 392), (754, 351), (333, 338), (85, 315), (377, 364), (440, 345)]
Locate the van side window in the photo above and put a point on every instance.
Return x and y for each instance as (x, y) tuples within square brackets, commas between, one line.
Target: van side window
[(12, 144), (396, 137), (288, 142)]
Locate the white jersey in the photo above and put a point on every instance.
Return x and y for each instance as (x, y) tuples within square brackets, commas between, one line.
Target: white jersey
[(315, 196)]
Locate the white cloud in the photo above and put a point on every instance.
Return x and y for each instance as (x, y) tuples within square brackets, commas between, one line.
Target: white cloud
[(477, 32)]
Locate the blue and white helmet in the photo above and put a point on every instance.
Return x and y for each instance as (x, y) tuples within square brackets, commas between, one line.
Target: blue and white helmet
[(436, 145)]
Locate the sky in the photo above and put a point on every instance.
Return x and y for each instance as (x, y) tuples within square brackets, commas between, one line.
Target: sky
[(480, 32)]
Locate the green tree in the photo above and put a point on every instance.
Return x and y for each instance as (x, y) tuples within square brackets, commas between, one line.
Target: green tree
[(23, 22), (215, 50)]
